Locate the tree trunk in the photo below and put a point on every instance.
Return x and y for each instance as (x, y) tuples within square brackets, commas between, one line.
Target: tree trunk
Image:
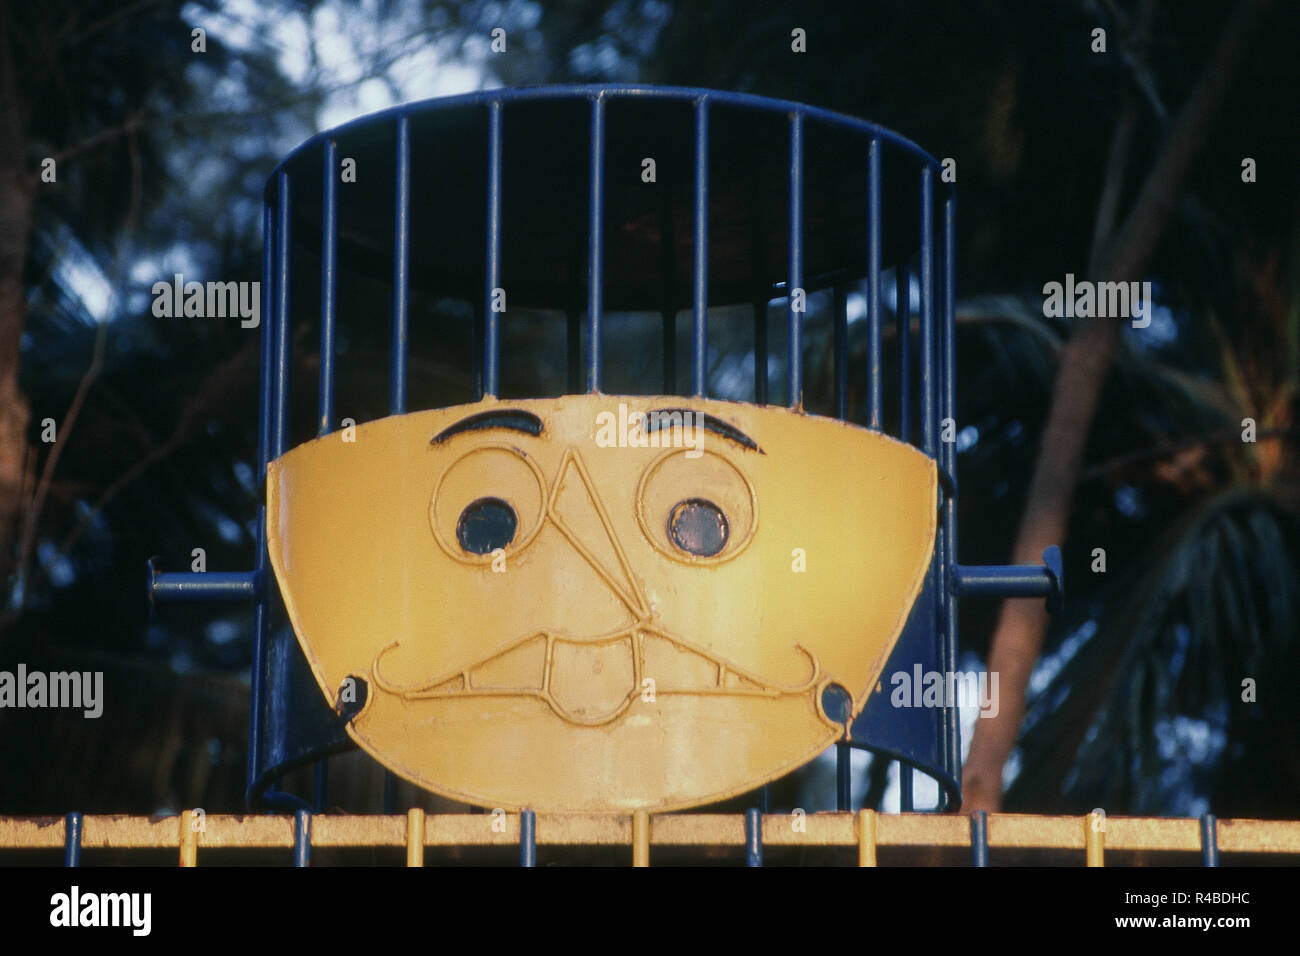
[(15, 227), (15, 223)]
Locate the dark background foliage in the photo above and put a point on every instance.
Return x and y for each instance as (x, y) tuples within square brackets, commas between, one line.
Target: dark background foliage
[(1137, 703)]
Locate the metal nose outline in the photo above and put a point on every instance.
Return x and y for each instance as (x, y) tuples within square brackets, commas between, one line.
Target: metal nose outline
[(621, 580)]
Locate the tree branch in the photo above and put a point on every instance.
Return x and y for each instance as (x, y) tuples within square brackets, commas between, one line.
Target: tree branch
[(31, 515)]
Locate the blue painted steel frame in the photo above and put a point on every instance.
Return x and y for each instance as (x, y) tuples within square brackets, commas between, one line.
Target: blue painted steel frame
[(934, 381)]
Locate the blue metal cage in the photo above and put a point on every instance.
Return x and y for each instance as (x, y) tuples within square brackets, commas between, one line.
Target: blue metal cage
[(753, 198)]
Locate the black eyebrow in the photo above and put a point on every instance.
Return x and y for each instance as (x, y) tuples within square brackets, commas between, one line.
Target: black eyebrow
[(515, 419), (655, 420)]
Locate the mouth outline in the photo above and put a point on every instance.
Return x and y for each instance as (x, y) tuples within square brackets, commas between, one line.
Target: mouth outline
[(634, 636)]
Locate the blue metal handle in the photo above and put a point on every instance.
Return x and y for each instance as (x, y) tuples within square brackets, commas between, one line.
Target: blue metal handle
[(186, 587), (1015, 580)]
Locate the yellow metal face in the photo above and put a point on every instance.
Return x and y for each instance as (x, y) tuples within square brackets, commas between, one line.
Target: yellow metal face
[(566, 605)]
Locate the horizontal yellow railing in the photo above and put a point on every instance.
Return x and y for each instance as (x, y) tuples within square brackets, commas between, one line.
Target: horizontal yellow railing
[(192, 831)]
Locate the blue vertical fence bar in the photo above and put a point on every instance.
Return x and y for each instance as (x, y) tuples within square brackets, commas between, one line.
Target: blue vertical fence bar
[(401, 268), (753, 837), (794, 282), (261, 620), (875, 395), (948, 461), (1209, 840), (302, 838), (903, 312), (843, 778), (840, 351), (72, 839), (928, 435), (270, 298), (329, 227), (760, 352), (280, 426), (595, 243), (491, 330), (700, 277), (528, 839), (927, 386), (979, 838)]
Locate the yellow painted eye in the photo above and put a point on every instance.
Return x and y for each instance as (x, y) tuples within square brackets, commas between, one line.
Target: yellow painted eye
[(700, 509), (490, 498)]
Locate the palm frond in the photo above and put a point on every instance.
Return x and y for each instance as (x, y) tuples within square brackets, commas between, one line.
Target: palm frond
[(1219, 607)]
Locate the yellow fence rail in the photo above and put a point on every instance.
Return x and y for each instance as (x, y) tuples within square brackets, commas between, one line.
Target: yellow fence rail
[(1091, 837)]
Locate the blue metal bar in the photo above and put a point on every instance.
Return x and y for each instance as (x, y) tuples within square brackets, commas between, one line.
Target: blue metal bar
[(261, 611), (631, 91), (764, 799), (280, 389), (528, 838), (328, 284), (401, 269), (753, 837), (875, 393), (302, 838), (928, 431), (1209, 840), (843, 777), (946, 606), (903, 310), (795, 279), (267, 378), (760, 352), (906, 801), (670, 351), (929, 388), (979, 838), (491, 339), (72, 839), (948, 459), (700, 283), (188, 587), (947, 357), (595, 243), (1004, 580), (840, 352)]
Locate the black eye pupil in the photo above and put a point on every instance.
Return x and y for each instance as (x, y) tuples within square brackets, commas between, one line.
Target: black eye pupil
[(698, 527), (485, 525)]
